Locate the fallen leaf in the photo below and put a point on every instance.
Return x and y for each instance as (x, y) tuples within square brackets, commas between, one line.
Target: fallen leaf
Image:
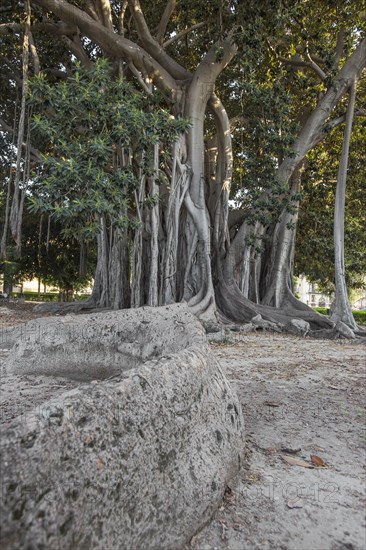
[(317, 461), (100, 464), (272, 404), (296, 461), (290, 451), (295, 503)]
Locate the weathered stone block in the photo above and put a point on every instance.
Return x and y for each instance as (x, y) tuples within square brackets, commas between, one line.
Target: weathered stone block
[(137, 460)]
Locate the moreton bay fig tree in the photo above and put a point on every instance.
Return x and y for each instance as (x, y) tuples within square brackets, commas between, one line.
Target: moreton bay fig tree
[(261, 79)]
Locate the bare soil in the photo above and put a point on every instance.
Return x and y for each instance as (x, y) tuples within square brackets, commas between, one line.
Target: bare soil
[(301, 398)]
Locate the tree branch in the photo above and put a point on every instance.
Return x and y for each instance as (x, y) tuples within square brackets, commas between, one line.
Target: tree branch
[(216, 59), (337, 122), (46, 25), (152, 46), (77, 49), (183, 33), (110, 42), (33, 49), (139, 78), (121, 17), (90, 9), (237, 217), (297, 61), (106, 13), (239, 120), (339, 46), (169, 9), (313, 127), (314, 66), (13, 76)]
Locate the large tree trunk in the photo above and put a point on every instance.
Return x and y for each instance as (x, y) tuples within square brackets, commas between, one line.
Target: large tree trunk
[(276, 288), (342, 309), (276, 284), (112, 277)]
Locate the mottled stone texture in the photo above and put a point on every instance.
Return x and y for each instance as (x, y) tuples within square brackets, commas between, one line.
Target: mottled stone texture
[(139, 460)]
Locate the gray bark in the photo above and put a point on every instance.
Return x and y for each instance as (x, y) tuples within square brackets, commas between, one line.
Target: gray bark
[(342, 309), (154, 216)]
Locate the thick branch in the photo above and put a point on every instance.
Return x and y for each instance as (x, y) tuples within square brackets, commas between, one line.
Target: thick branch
[(313, 127), (106, 12), (46, 25), (184, 33), (152, 46), (169, 9), (113, 44), (215, 60), (237, 217), (90, 9)]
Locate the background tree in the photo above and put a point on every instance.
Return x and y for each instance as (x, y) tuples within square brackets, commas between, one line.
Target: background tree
[(314, 256), (101, 174)]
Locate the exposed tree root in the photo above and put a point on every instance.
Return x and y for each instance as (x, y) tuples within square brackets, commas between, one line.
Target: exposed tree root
[(233, 305), (70, 307), (230, 309)]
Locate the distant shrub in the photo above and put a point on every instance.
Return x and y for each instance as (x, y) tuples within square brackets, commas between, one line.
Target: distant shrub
[(359, 315), (45, 296), (33, 296)]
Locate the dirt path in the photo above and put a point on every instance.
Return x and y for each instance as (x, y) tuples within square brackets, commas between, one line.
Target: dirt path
[(297, 395)]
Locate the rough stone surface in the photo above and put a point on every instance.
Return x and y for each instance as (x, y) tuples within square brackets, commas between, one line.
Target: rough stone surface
[(99, 345), (138, 460), (298, 326)]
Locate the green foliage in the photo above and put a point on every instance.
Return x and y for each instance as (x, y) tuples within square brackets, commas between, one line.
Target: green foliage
[(89, 127), (314, 256), (358, 315), (271, 98), (322, 310), (57, 264), (35, 297)]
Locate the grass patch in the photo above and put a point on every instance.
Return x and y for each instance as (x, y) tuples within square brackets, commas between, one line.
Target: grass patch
[(45, 296)]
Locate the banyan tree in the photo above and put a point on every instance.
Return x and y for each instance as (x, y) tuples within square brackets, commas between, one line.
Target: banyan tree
[(183, 239)]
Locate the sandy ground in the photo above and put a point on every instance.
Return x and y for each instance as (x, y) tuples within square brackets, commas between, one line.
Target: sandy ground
[(305, 396), (300, 398)]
